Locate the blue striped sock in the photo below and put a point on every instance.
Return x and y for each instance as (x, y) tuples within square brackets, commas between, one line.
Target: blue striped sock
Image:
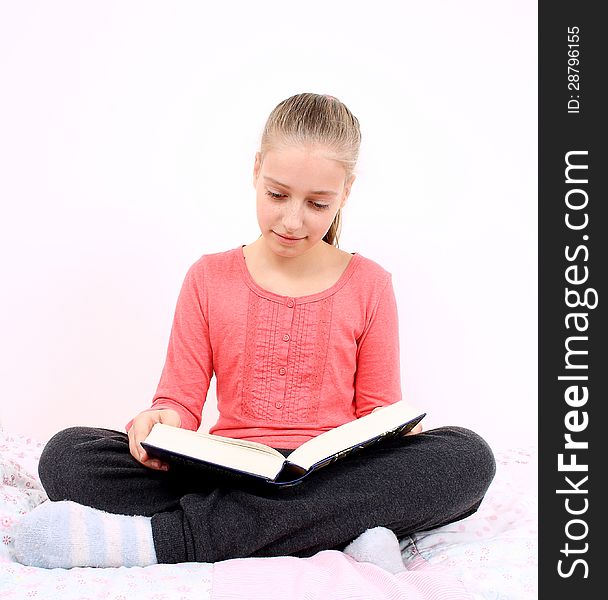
[(65, 535)]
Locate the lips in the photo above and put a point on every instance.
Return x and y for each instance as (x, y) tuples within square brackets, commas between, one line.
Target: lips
[(288, 238)]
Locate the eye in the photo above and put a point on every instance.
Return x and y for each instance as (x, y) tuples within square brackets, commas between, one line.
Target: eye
[(316, 205)]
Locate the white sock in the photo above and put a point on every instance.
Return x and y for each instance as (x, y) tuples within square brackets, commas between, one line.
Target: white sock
[(66, 534), (379, 546)]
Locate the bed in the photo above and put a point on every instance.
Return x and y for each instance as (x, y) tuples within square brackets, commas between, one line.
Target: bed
[(490, 555)]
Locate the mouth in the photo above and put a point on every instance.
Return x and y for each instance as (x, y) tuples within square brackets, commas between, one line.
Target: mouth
[(286, 237)]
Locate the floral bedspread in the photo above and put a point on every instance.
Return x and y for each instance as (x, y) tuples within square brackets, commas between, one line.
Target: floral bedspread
[(491, 555)]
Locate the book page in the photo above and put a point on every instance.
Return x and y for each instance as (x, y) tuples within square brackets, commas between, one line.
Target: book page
[(244, 443), (352, 433), (243, 455)]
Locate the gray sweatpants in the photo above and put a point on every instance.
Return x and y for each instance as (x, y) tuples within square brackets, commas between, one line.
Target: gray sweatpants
[(409, 484)]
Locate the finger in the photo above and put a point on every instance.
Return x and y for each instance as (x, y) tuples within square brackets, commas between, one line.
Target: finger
[(138, 432), (415, 430), (157, 465), (132, 445), (141, 430), (137, 452)]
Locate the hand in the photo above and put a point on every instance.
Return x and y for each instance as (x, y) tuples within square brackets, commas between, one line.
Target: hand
[(141, 427), (415, 430)]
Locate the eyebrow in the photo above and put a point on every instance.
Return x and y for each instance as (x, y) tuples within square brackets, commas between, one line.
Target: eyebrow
[(317, 192)]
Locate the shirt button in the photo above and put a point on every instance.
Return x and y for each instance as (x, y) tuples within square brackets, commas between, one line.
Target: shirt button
[(286, 337), (282, 370), (279, 404), (290, 304)]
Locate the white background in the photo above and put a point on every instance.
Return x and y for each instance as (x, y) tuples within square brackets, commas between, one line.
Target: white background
[(127, 136)]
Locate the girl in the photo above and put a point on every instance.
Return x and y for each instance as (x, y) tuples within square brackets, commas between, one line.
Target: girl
[(302, 337)]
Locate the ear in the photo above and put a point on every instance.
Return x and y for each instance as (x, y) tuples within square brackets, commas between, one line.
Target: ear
[(347, 189), (256, 168)]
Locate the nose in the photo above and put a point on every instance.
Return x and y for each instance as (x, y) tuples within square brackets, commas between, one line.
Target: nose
[(292, 217)]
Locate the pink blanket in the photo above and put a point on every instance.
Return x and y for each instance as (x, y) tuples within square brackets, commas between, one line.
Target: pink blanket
[(333, 575)]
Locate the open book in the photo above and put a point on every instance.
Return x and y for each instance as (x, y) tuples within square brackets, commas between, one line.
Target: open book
[(259, 461)]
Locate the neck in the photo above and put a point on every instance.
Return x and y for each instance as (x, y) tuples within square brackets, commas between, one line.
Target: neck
[(301, 265)]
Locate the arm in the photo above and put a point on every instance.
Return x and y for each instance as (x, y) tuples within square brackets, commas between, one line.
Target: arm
[(185, 378), (188, 368), (378, 376), (381, 353)]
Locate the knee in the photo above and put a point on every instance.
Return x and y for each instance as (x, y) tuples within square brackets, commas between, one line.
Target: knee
[(481, 455), (474, 456), (60, 461)]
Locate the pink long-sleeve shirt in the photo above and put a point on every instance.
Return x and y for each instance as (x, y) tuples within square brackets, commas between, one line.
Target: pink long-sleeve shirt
[(287, 368)]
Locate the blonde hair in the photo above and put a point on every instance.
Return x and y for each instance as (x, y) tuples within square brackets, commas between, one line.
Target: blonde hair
[(306, 119)]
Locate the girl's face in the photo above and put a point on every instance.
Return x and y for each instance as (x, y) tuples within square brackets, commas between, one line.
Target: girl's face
[(299, 190)]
